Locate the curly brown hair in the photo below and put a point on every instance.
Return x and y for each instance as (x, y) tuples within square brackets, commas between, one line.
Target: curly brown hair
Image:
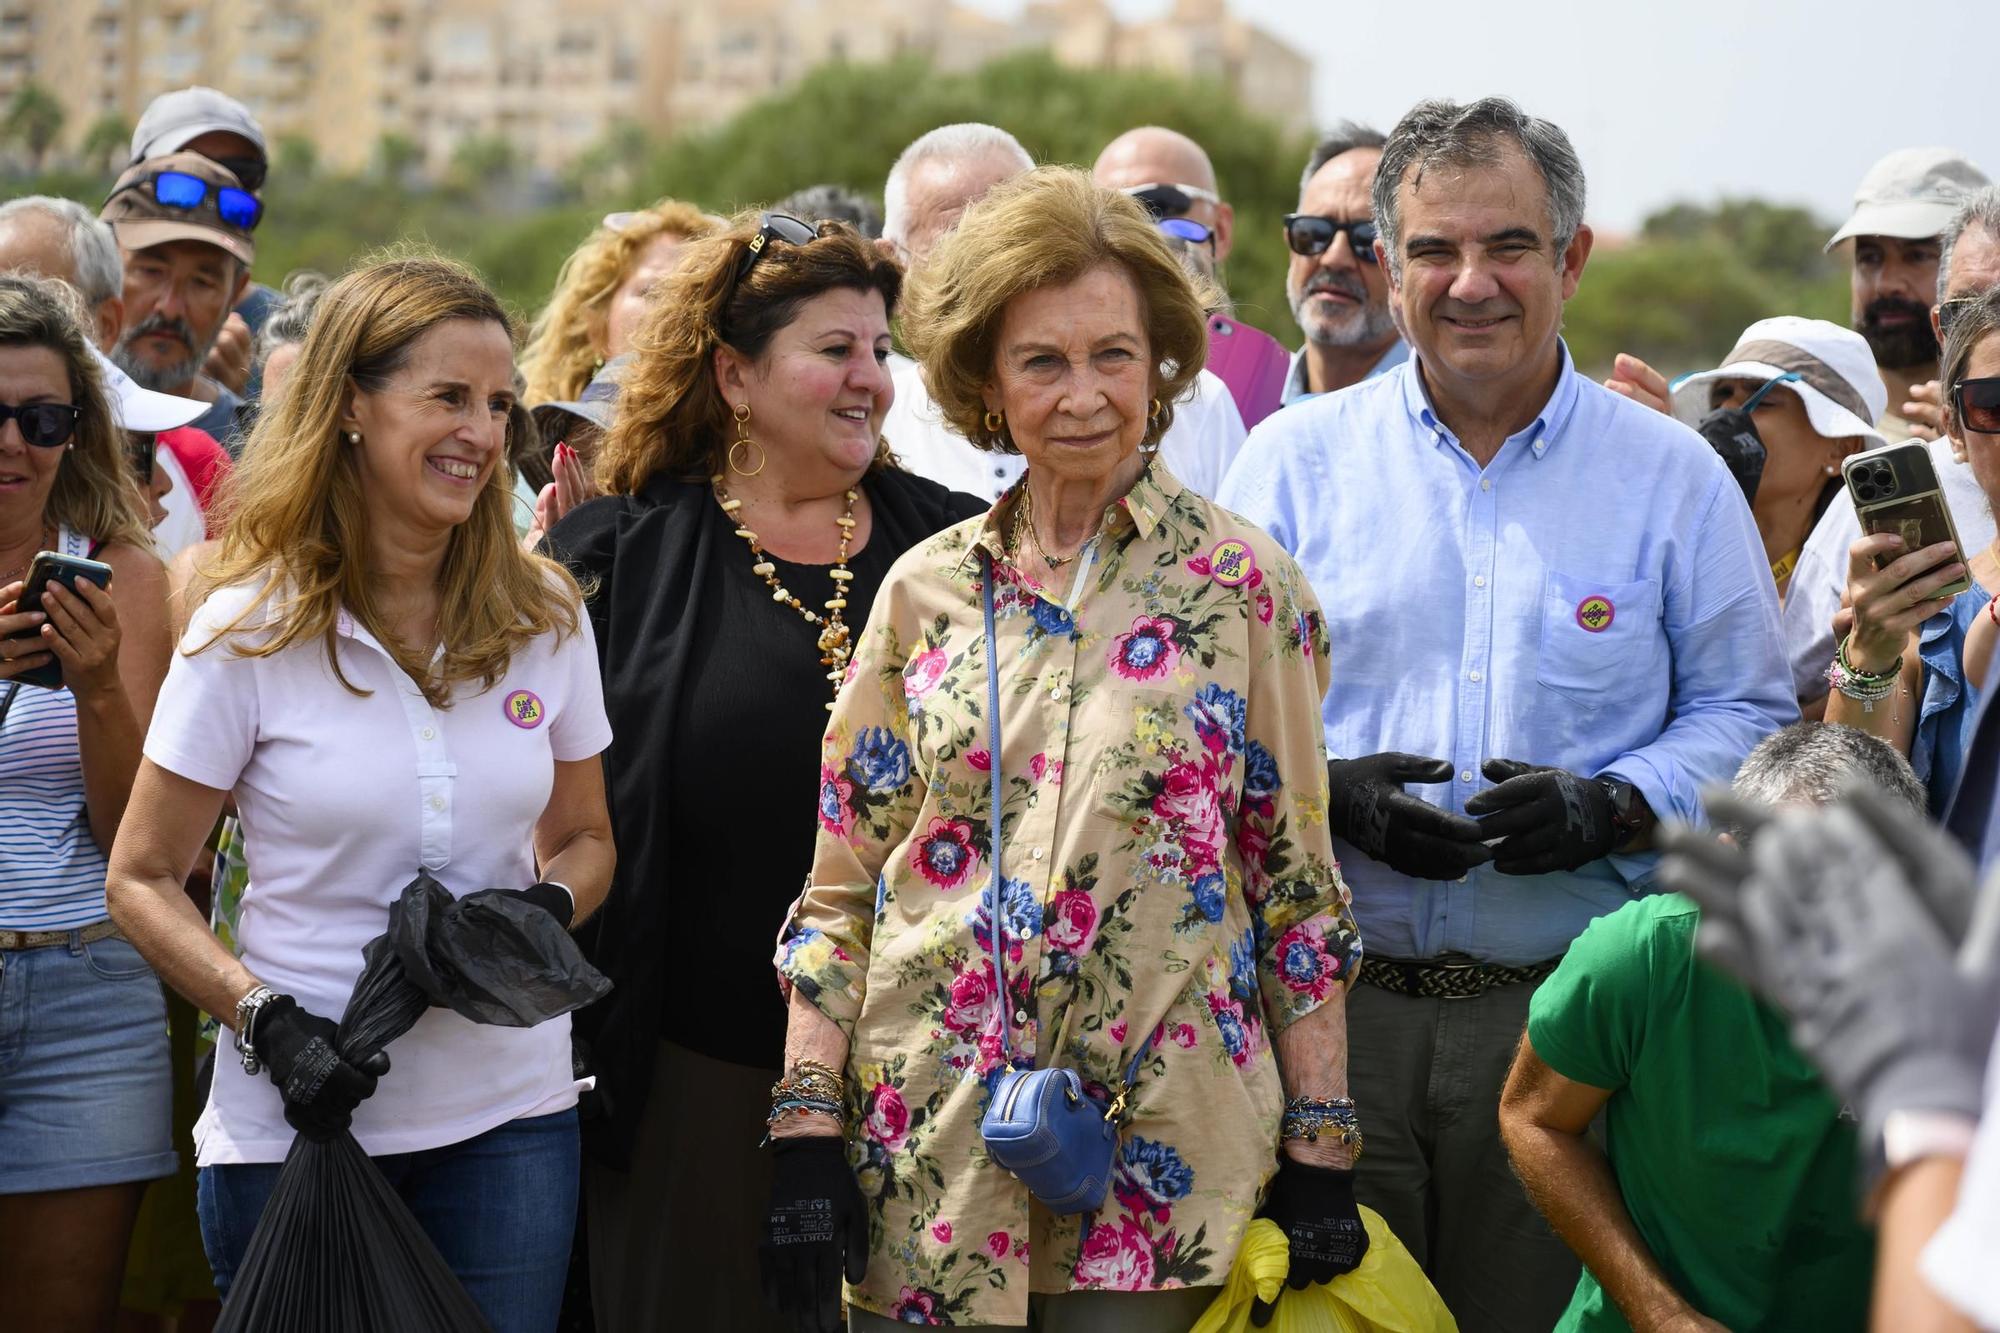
[(1046, 228), (671, 415)]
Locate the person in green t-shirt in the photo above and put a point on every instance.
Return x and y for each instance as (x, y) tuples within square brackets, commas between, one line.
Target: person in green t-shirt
[(1724, 1196)]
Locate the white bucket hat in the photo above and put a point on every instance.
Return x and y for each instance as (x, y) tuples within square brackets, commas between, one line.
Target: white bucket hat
[(145, 410), (1836, 379)]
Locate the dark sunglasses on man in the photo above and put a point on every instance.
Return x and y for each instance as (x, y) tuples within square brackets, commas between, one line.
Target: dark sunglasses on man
[(44, 425), (179, 189), (250, 170), (773, 227), (1165, 199), (1978, 404), (1186, 229), (1310, 234)]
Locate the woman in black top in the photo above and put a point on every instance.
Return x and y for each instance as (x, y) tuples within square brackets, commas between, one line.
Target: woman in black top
[(751, 511)]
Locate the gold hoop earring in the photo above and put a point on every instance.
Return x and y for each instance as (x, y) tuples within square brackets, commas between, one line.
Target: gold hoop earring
[(1154, 415), (995, 423), (745, 443)]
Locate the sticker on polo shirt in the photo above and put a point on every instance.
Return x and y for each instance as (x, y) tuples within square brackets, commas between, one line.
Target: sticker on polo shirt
[(1231, 564), (524, 709), (1595, 614)]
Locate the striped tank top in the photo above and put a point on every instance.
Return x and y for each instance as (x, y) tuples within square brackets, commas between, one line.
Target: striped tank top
[(51, 870)]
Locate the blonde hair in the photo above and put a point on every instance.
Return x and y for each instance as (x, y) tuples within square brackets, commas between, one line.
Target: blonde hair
[(1046, 228), (563, 346), (95, 492), (672, 418), (298, 521)]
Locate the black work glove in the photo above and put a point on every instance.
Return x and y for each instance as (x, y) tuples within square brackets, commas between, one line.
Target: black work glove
[(816, 1224), (1366, 805), (301, 1053), (1547, 819), (551, 898), (1314, 1206)]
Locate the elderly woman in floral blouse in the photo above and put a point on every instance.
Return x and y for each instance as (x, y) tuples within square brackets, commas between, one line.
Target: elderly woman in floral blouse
[(1169, 886)]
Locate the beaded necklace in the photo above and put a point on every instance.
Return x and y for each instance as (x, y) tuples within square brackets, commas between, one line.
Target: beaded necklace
[(835, 643)]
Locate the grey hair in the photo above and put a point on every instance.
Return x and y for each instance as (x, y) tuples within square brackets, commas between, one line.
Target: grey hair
[(1442, 133), (1981, 318), (1981, 209), (1344, 137), (966, 140), (93, 249), (1812, 763), (834, 203), (290, 318)]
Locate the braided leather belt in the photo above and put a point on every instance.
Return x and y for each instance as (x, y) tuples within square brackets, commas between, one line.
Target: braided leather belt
[(1430, 979), (43, 939)]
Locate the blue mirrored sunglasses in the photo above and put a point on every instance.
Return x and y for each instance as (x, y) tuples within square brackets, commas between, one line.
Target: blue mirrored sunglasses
[(179, 189)]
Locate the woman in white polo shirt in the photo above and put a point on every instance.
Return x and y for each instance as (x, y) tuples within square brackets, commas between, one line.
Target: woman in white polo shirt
[(385, 681)]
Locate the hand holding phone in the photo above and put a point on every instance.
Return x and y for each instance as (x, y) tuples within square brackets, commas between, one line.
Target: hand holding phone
[(64, 627), (1908, 564)]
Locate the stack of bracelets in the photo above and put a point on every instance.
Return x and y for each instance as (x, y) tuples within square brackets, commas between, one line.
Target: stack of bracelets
[(811, 1088), (1867, 687), (1309, 1117)]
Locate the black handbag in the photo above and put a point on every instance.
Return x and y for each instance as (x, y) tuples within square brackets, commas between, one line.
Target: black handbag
[(1040, 1124)]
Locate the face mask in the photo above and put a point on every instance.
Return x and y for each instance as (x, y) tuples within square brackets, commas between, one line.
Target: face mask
[(1733, 435)]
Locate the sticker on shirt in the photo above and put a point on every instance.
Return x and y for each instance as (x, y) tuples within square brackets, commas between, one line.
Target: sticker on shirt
[(524, 709), (1595, 614), (1231, 563)]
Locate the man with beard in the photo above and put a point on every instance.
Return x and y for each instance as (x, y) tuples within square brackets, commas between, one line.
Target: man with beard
[(183, 224), (1337, 291), (1902, 205)]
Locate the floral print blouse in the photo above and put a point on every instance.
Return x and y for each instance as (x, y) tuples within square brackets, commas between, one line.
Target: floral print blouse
[(1167, 870)]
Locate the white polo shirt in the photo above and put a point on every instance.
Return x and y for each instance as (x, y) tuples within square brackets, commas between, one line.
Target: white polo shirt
[(1204, 440), (342, 798)]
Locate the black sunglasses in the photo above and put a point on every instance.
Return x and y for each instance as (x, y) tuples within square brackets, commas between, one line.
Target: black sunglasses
[(44, 425), (1313, 234), (188, 192), (1168, 200), (1949, 311), (774, 227), (1978, 404), (141, 446), (249, 170)]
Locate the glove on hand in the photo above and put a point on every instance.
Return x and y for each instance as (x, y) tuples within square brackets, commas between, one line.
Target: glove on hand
[(301, 1052), (551, 898), (1860, 921), (1547, 819), (1366, 805), (817, 1221), (1314, 1206)]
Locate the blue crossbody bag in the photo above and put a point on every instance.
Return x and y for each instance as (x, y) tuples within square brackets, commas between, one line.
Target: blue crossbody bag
[(1040, 1123)]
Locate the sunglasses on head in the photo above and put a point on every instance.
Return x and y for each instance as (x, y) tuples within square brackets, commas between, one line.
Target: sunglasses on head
[(1186, 229), (1164, 199), (44, 425), (1311, 234), (179, 189), (774, 227), (1978, 404)]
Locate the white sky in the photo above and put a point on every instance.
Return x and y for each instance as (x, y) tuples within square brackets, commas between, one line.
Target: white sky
[(1789, 100)]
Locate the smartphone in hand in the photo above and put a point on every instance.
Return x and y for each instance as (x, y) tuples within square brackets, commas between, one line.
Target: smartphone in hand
[(68, 570), (1895, 489)]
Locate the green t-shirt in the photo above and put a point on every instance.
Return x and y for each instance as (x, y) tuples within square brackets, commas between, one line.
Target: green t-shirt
[(1734, 1160)]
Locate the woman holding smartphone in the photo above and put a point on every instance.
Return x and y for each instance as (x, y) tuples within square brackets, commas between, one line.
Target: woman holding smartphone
[(84, 1082), (1901, 671)]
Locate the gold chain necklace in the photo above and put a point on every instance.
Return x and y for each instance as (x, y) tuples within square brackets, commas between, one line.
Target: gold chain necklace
[(1024, 518), (835, 643), (44, 542)]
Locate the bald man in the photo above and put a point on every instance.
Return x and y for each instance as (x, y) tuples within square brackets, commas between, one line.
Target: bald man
[(1171, 175)]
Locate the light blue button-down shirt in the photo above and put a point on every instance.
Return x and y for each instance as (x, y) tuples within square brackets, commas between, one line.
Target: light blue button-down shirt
[(1298, 385), (1595, 598)]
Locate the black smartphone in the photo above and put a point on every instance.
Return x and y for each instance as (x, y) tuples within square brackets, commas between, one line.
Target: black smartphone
[(68, 570), (1895, 489)]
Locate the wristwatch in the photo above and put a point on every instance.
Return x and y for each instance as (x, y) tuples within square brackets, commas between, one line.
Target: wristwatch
[(1630, 815), (247, 1009)]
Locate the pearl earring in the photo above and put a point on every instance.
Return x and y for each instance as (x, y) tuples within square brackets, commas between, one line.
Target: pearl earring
[(353, 437)]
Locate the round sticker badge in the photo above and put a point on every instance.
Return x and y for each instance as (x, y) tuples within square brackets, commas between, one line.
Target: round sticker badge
[(1231, 563), (524, 709), (1595, 614)]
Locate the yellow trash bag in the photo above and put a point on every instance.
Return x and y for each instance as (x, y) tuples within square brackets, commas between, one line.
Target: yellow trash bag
[(1388, 1293)]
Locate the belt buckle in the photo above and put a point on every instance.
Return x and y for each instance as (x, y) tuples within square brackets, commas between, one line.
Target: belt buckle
[(1461, 963)]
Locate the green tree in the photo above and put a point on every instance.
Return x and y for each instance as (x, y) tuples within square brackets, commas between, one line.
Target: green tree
[(484, 161), (107, 142), (294, 156), (34, 120), (397, 155)]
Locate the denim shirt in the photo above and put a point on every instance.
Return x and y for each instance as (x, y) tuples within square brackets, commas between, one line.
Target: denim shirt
[(1950, 703)]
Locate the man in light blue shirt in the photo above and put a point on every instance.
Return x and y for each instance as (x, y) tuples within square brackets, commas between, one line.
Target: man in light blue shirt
[(1550, 607)]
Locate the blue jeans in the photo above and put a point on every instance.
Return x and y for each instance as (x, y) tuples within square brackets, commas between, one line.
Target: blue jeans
[(501, 1208)]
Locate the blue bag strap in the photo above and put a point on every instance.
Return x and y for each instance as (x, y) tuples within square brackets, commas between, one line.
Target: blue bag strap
[(993, 919)]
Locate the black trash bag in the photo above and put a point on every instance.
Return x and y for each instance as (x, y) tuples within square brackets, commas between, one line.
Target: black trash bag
[(337, 1250)]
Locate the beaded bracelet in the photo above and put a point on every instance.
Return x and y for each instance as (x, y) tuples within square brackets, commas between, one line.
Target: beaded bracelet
[(1866, 687), (1308, 1117), (812, 1080)]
